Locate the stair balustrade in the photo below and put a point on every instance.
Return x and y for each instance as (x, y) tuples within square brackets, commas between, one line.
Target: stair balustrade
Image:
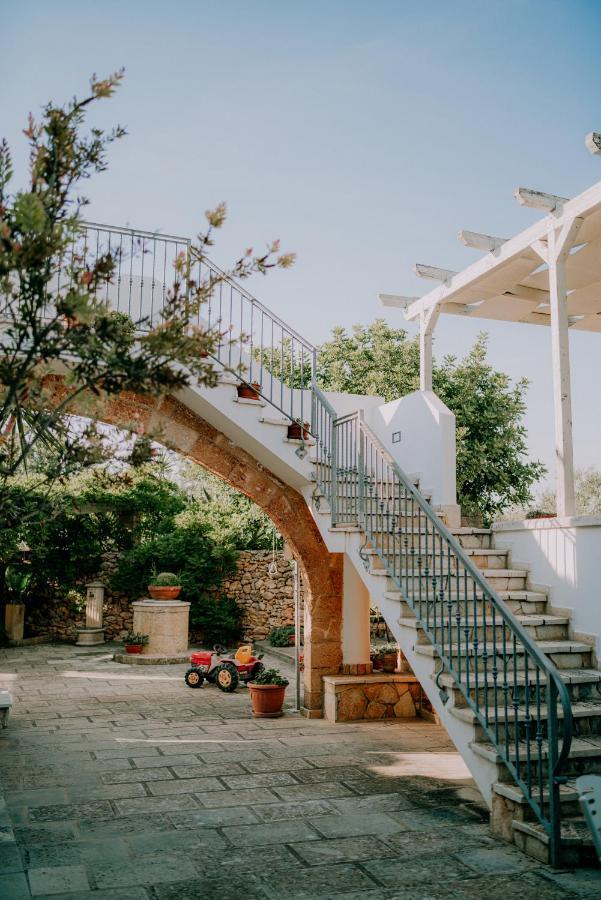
[(515, 692)]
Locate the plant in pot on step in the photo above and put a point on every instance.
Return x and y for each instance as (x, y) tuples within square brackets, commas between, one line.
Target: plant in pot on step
[(389, 655), (281, 636), (164, 586), (17, 580), (135, 642), (296, 432), (250, 391), (267, 692)]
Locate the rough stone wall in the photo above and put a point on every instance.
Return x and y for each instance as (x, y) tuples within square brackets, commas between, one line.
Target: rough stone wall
[(267, 601)]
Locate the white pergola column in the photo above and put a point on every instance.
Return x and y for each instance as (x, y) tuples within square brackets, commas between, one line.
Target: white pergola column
[(427, 324), (558, 248)]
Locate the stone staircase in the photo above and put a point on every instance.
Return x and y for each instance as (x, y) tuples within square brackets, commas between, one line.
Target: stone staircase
[(502, 672), (512, 818)]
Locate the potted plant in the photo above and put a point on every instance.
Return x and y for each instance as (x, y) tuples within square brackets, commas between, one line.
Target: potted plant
[(282, 636), (296, 432), (164, 586), (389, 655), (17, 580), (539, 514), (267, 691), (135, 642), (249, 391), (374, 655)]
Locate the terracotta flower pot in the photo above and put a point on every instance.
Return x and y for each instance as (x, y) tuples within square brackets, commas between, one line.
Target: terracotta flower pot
[(162, 592), (249, 391), (133, 648), (267, 700), (377, 663), (296, 433), (389, 662)]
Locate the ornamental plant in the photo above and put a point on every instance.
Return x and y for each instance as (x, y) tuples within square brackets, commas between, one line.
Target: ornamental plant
[(280, 636), (135, 639), (271, 676), (165, 579), (98, 353)]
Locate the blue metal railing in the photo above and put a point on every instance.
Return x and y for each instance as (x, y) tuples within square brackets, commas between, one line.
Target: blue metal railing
[(515, 692)]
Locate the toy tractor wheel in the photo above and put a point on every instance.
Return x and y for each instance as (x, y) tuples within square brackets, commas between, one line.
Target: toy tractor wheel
[(226, 678), (193, 678)]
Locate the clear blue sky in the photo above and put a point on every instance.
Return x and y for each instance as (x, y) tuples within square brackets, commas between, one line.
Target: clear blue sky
[(364, 134)]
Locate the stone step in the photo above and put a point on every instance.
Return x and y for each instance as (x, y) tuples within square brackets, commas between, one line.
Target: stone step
[(582, 684), (539, 627), (498, 579), (584, 758), (523, 602), (568, 797), (564, 654), (577, 847)]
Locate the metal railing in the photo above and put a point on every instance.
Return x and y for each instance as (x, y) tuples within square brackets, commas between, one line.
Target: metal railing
[(256, 345), (516, 694)]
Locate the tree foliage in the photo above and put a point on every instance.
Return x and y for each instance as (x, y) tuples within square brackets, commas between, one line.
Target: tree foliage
[(493, 471), (63, 325)]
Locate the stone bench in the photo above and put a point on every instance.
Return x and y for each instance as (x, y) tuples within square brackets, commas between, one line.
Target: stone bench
[(349, 698), (6, 701)]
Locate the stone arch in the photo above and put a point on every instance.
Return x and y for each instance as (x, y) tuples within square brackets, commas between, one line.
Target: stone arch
[(322, 571)]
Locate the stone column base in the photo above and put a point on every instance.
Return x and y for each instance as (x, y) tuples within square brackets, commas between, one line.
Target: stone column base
[(90, 637), (166, 624)]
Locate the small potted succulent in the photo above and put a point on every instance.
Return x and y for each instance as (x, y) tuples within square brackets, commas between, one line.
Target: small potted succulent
[(164, 586), (250, 391), (267, 692), (135, 642), (296, 432), (389, 655)]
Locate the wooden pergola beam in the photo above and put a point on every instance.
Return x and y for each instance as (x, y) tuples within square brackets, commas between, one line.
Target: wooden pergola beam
[(479, 241), (539, 200), (396, 301), (433, 272)]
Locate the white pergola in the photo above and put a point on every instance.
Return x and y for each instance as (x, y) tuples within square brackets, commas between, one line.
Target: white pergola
[(548, 274)]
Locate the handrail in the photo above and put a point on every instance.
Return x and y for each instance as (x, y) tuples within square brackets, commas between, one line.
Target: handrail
[(456, 609), (364, 485)]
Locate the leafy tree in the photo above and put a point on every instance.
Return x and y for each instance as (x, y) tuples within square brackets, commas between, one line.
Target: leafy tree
[(492, 467), (49, 322), (587, 485)]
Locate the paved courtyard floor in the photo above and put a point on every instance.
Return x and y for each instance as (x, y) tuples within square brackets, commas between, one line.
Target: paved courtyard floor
[(120, 782)]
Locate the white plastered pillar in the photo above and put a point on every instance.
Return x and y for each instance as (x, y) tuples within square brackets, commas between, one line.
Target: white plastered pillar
[(559, 243), (427, 324), (355, 617)]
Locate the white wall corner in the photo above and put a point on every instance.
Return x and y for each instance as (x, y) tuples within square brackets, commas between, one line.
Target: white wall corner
[(418, 430)]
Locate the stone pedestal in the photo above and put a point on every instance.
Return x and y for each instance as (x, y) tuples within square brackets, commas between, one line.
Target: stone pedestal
[(14, 621), (349, 698), (166, 624), (93, 633)]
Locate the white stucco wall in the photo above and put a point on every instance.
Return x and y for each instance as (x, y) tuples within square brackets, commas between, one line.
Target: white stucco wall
[(427, 444), (563, 554)]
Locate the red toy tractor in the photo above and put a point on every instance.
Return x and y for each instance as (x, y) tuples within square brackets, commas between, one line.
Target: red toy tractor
[(224, 669)]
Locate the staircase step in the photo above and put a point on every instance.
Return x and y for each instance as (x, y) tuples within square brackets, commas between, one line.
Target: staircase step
[(280, 421), (585, 754), (568, 797), (562, 653), (539, 627), (579, 711), (577, 846), (243, 401)]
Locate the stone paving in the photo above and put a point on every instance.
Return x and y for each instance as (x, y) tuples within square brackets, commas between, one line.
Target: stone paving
[(123, 783)]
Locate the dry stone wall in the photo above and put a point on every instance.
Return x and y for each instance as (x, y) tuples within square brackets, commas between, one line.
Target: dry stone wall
[(266, 600)]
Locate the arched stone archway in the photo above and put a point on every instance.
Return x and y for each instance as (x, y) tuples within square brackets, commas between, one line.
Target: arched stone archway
[(322, 571)]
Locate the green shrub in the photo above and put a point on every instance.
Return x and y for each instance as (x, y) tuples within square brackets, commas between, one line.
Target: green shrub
[(280, 636), (134, 638), (271, 676)]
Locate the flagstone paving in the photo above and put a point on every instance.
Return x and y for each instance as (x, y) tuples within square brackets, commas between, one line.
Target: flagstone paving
[(123, 783)]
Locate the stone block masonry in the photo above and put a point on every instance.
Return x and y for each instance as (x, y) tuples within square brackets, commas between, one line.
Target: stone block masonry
[(266, 601)]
